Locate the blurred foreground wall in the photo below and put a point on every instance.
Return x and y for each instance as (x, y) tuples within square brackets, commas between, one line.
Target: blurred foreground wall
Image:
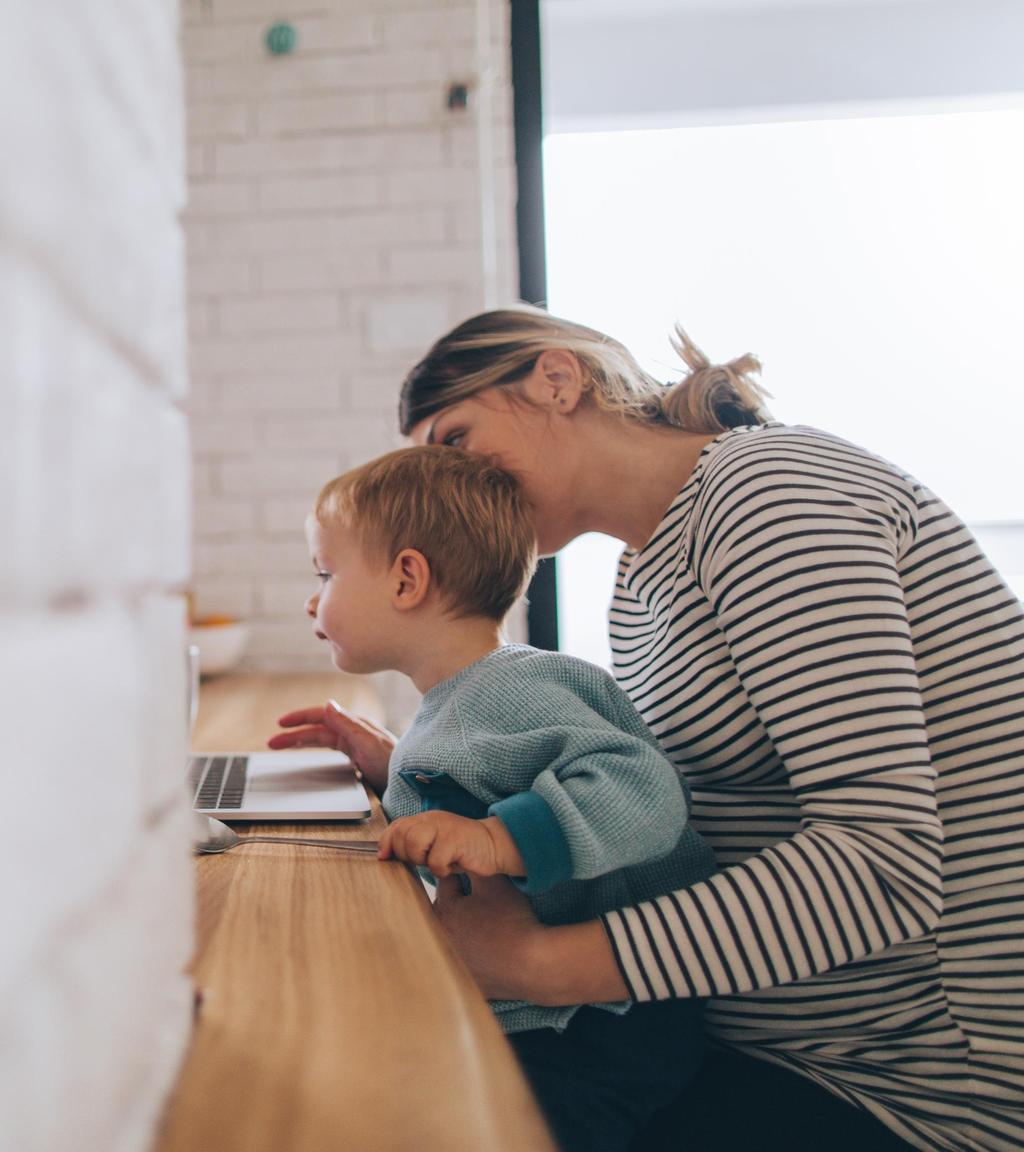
[(95, 880)]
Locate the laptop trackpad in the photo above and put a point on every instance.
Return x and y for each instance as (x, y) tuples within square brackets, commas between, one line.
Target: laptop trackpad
[(298, 770)]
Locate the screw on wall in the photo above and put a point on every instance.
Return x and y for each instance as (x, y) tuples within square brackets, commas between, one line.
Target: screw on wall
[(281, 39), (458, 97)]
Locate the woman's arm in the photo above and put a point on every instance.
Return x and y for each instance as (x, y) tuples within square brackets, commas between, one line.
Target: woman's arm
[(801, 574), (513, 956), (807, 595)]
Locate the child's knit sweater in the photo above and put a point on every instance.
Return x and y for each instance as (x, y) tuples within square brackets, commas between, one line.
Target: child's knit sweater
[(553, 747)]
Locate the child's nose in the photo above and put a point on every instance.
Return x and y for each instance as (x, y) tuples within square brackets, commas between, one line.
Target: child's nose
[(311, 605)]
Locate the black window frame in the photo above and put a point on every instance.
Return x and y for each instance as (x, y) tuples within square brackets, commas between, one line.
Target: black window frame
[(542, 596)]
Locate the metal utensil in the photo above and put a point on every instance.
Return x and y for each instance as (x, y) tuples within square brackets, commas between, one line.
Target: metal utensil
[(218, 837)]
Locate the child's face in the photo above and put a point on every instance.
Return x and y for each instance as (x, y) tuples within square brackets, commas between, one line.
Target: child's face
[(351, 607)]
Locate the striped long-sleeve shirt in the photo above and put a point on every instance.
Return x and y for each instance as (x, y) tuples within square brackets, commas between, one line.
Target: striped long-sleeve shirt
[(820, 645)]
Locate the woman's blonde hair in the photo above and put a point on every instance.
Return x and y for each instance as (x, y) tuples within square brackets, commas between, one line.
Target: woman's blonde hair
[(500, 348), (466, 515)]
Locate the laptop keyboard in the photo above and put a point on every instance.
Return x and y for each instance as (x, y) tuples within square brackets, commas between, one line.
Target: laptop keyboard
[(218, 781)]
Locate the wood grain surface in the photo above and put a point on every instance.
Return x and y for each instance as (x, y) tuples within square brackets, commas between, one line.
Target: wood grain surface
[(333, 1015)]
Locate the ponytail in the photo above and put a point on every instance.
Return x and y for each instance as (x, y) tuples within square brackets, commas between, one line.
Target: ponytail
[(713, 397)]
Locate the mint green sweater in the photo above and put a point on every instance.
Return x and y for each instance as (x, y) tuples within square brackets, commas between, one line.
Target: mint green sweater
[(553, 747)]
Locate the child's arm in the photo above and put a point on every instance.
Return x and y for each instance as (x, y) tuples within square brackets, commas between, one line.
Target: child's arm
[(604, 798), (446, 843)]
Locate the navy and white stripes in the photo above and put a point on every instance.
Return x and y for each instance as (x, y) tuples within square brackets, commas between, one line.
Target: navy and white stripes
[(819, 644)]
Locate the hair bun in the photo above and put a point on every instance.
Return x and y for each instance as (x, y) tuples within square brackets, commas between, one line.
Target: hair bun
[(714, 397)]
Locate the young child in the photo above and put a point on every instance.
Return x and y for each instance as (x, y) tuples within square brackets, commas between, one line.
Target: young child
[(519, 762)]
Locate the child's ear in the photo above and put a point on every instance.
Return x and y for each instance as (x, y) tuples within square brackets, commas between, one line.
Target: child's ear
[(410, 579)]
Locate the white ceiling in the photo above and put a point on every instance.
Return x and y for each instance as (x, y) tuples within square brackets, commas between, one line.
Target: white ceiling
[(583, 10), (643, 63)]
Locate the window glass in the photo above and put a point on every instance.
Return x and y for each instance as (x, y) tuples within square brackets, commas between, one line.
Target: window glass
[(873, 264)]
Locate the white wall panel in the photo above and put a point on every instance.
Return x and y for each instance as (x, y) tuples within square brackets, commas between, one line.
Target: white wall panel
[(95, 876)]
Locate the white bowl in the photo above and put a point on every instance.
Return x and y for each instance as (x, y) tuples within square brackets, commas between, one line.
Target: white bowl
[(220, 645)]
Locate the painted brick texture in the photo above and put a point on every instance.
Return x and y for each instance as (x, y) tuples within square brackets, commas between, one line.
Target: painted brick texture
[(95, 876), (337, 224)]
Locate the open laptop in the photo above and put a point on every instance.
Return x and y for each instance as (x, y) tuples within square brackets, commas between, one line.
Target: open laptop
[(295, 784)]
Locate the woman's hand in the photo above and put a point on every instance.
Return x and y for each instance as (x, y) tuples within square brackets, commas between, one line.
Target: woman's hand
[(493, 930), (367, 745), (513, 956)]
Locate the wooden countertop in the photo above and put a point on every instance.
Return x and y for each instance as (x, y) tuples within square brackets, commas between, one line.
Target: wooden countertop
[(333, 1015)]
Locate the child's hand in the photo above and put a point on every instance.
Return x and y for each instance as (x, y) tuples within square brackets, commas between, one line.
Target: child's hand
[(446, 843), (366, 744)]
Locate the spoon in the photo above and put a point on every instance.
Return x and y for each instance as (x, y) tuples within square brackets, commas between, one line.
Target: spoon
[(217, 837)]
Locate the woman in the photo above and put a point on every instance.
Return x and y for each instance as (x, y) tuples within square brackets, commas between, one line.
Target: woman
[(820, 646)]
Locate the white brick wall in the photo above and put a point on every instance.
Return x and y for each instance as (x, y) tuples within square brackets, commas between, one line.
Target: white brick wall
[(95, 880), (334, 232)]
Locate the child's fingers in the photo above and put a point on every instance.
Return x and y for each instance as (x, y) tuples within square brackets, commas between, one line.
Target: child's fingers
[(416, 842), (441, 855), (302, 716), (302, 738), (426, 840), (411, 838), (347, 723), (391, 843), (384, 844), (342, 711)]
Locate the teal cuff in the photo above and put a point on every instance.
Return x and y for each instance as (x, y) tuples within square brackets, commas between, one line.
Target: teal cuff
[(538, 836)]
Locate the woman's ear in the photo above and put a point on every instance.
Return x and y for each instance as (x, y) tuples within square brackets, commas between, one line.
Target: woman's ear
[(410, 579), (556, 381)]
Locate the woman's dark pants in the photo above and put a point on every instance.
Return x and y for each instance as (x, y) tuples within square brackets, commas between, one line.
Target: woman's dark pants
[(605, 1076)]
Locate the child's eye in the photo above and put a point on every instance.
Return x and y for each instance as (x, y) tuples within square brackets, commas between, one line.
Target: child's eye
[(323, 577), (454, 439)]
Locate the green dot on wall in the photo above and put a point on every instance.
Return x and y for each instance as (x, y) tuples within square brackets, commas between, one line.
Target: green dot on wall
[(281, 39)]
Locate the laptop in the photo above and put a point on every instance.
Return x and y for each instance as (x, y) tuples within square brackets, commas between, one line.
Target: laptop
[(294, 784)]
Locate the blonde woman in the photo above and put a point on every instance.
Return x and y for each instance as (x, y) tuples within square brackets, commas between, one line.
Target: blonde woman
[(823, 651)]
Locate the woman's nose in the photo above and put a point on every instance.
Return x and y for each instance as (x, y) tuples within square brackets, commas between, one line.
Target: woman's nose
[(311, 605)]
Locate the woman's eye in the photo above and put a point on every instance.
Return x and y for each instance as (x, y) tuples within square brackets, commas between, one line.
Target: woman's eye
[(454, 439), (323, 577)]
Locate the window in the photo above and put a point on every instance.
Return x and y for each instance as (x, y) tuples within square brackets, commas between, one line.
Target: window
[(873, 264)]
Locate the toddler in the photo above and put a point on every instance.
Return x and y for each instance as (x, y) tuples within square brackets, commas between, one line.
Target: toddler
[(519, 762)]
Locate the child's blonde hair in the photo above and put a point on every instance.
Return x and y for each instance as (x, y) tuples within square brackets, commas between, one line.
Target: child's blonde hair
[(500, 348), (465, 514)]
